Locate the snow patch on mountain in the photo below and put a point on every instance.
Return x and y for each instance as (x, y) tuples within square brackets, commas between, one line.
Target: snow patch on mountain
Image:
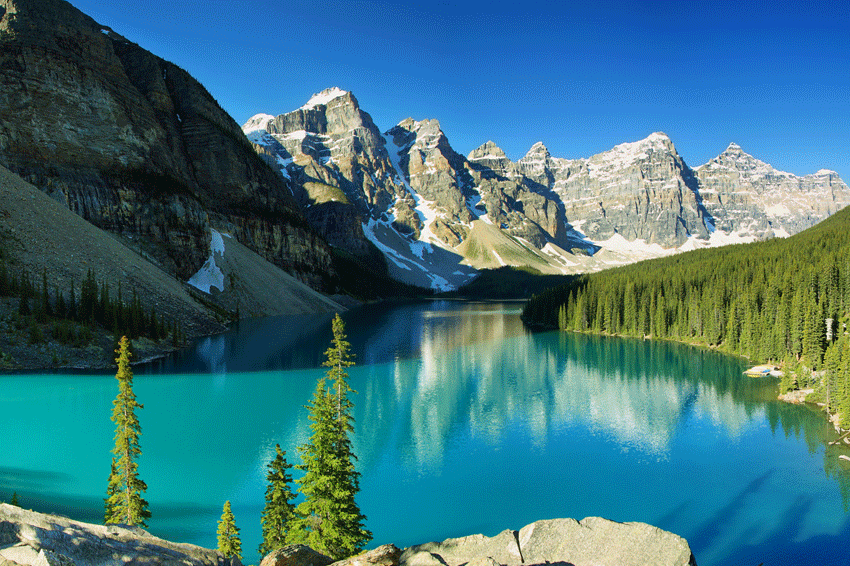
[(210, 275), (257, 123), (324, 97)]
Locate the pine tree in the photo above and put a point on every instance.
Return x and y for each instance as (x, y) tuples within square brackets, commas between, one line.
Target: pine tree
[(279, 508), (14, 501), (124, 503), (113, 487), (5, 288), (229, 543), (329, 520)]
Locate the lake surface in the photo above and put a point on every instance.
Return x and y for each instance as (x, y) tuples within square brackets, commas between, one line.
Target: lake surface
[(466, 422)]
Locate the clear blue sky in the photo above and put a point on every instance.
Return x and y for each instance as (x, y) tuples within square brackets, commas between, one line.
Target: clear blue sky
[(773, 77)]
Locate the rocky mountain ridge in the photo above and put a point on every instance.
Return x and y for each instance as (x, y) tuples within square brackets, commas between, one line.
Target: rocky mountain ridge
[(437, 216)]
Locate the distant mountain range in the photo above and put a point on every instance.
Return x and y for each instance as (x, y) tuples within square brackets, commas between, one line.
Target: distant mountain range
[(438, 216), (138, 148)]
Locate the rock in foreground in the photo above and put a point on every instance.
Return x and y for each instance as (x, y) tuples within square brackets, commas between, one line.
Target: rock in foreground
[(28, 538), (590, 542)]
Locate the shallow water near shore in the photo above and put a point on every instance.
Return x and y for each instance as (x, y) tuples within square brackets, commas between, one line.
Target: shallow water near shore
[(466, 422)]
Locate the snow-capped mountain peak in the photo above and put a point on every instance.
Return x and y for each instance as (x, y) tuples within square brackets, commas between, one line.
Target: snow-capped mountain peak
[(324, 97), (487, 150), (257, 123), (437, 216)]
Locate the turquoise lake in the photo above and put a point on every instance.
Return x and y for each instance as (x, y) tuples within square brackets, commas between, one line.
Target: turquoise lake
[(466, 422)]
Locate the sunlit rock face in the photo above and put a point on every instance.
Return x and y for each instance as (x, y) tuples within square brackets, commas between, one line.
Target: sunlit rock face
[(641, 190), (416, 199), (437, 216), (746, 195)]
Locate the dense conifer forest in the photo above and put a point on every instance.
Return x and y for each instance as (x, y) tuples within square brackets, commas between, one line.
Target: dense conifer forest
[(69, 316), (784, 301)]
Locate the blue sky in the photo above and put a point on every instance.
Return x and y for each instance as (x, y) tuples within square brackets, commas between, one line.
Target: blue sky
[(773, 77)]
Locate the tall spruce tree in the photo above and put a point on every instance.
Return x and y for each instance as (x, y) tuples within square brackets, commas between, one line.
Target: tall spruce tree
[(124, 502), (329, 520), (279, 508), (229, 543)]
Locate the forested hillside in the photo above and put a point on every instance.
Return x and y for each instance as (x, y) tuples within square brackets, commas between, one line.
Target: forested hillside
[(783, 300)]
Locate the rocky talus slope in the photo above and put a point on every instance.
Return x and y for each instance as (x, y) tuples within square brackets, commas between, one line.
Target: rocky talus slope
[(41, 236), (437, 216), (137, 147), (28, 538)]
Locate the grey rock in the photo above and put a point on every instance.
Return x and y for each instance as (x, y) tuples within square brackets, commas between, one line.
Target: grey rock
[(746, 195), (331, 142), (35, 539), (412, 182), (640, 190), (385, 555), (295, 555), (590, 542), (482, 561), (422, 558)]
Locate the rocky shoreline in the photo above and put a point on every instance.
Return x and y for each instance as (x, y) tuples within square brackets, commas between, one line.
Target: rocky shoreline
[(799, 397), (29, 538)]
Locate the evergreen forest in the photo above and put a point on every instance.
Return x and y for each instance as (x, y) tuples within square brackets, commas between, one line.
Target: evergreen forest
[(71, 316), (781, 301)]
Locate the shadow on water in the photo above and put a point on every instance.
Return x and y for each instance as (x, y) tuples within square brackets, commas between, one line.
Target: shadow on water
[(706, 534), (777, 547)]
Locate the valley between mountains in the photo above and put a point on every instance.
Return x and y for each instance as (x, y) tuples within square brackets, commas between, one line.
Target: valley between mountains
[(105, 146)]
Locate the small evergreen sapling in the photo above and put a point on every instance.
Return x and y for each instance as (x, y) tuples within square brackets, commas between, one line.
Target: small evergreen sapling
[(124, 503), (279, 508), (229, 543)]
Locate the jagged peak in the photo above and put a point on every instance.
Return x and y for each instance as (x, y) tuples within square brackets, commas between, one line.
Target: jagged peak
[(322, 98), (735, 158), (257, 122), (538, 150), (411, 125), (734, 152), (657, 137), (626, 153), (487, 150)]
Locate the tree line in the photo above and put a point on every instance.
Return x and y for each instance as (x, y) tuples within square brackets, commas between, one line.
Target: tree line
[(328, 518), (75, 313), (784, 301)]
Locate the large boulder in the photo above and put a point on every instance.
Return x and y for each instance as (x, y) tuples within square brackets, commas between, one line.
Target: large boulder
[(296, 555), (28, 538), (386, 555), (590, 542)]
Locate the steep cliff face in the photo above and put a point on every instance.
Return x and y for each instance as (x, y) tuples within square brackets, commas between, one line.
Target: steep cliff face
[(136, 146), (640, 190), (416, 199), (333, 155), (437, 215), (748, 196)]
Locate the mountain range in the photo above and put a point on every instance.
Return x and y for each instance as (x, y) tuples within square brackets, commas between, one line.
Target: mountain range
[(139, 149), (438, 216)]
